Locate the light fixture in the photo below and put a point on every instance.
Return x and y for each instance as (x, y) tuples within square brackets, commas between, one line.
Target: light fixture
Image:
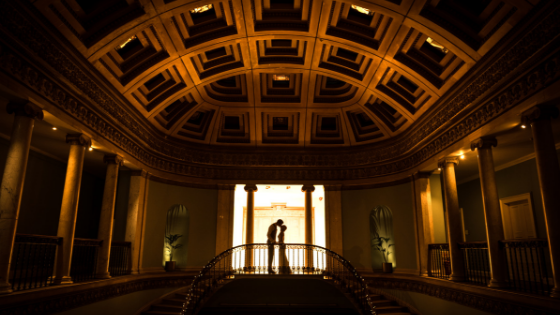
[(202, 8), (121, 46), (437, 45), (362, 10), (54, 128), (462, 156), (439, 168), (90, 149), (280, 77), (523, 126)]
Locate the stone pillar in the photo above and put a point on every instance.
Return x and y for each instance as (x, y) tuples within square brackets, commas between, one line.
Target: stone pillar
[(423, 216), (308, 190), (492, 212), (333, 217), (454, 227), (107, 214), (224, 228), (69, 210), (134, 218), (548, 168), (12, 183), (250, 231)]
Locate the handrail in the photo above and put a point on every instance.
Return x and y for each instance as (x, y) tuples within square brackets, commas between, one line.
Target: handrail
[(304, 259)]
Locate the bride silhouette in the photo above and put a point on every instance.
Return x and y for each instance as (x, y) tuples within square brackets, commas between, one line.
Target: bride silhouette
[(283, 263)]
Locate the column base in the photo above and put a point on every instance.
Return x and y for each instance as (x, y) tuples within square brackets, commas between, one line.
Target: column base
[(455, 278), (555, 293), (6, 288), (497, 284), (104, 275), (62, 280), (134, 273)]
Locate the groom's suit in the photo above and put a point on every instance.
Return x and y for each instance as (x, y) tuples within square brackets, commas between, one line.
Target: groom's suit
[(271, 240)]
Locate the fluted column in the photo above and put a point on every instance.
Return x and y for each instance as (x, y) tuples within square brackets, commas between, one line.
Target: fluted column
[(69, 210), (308, 190), (107, 213), (423, 216), (453, 214), (548, 168), (134, 218), (492, 212), (12, 183), (250, 231)]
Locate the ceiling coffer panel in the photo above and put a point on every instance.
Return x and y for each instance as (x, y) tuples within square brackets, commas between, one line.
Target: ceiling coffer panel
[(277, 51), (281, 16)]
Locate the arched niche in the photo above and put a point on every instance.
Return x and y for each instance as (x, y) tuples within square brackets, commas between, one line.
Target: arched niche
[(381, 235), (177, 223)]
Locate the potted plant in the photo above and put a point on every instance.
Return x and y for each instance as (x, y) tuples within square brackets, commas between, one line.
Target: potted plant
[(382, 245), (170, 239)]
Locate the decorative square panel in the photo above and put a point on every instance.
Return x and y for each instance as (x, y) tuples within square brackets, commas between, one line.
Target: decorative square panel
[(276, 51), (198, 124), (429, 57), (154, 91), (134, 55), (189, 27), (217, 60), (280, 127), (344, 60), (370, 26), (363, 126), (327, 127), (234, 127), (279, 16), (235, 90), (175, 110), (411, 95), (387, 114), (281, 87), (331, 91)]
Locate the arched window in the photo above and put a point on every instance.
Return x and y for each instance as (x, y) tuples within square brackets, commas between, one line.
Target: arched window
[(381, 236), (176, 235)]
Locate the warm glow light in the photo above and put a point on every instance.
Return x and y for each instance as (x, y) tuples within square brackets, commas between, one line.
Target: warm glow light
[(523, 126), (202, 8), (437, 45), (54, 128), (121, 46), (462, 156), (280, 77), (91, 148), (439, 168), (362, 10)]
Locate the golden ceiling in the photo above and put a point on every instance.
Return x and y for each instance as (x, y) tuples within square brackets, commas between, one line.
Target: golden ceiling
[(284, 72)]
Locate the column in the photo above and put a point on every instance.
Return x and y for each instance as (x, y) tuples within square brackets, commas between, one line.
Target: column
[(69, 210), (308, 190), (134, 217), (250, 229), (454, 229), (12, 183), (333, 213), (549, 179), (423, 216), (107, 214), (492, 212), (224, 227)]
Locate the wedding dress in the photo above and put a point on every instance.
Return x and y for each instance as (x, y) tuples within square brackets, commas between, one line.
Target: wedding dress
[(284, 264)]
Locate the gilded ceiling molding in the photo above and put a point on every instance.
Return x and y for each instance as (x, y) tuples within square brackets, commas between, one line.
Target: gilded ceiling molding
[(148, 146)]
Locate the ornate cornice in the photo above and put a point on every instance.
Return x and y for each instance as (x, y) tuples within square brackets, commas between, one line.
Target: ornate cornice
[(78, 139), (25, 109), (100, 112), (540, 112), (486, 302), (484, 143)]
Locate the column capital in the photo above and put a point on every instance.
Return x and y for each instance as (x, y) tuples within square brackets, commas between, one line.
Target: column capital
[(142, 173), (332, 187), (226, 186), (484, 143), (251, 187), (419, 175), (78, 139), (25, 109), (113, 159), (447, 160), (306, 188), (539, 112)]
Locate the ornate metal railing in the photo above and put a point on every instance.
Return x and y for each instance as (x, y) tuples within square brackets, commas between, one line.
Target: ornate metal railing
[(300, 259), (528, 263), (439, 263), (33, 261), (119, 259), (476, 262), (84, 259)]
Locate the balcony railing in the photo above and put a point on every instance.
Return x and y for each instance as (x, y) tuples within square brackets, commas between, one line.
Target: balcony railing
[(475, 260), (439, 263), (528, 263), (299, 259), (84, 259), (119, 259), (33, 261)]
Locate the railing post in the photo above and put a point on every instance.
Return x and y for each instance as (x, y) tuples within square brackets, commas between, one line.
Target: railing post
[(250, 232), (492, 212), (549, 179), (69, 209), (454, 229), (308, 190), (12, 183)]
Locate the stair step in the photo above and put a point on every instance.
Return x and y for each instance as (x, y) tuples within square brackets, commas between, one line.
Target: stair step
[(181, 295), (381, 303), (390, 309), (160, 313), (166, 308), (178, 302), (376, 297)]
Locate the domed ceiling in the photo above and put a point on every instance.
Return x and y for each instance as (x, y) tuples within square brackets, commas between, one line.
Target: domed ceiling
[(283, 72)]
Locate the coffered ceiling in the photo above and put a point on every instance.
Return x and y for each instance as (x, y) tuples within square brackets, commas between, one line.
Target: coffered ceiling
[(283, 72)]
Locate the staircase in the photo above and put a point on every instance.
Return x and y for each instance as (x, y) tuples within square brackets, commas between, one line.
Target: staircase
[(169, 304), (385, 306)]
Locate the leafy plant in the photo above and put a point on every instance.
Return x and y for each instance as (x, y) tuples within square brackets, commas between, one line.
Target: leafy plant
[(171, 246), (382, 245)]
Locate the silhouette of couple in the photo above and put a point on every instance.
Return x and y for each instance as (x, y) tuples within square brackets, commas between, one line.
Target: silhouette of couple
[(283, 264)]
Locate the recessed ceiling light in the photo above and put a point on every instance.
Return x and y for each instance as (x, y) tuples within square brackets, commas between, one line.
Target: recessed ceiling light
[(91, 148), (439, 168), (54, 128), (462, 156), (523, 126)]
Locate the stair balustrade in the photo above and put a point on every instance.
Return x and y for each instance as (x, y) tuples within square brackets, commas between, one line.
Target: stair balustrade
[(300, 259)]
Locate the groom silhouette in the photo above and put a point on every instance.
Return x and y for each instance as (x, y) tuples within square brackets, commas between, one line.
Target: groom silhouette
[(271, 240)]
